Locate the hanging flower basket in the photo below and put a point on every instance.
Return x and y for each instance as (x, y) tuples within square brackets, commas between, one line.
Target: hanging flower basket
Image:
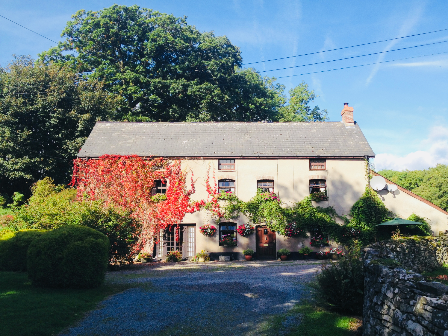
[(208, 230), (245, 229), (293, 230)]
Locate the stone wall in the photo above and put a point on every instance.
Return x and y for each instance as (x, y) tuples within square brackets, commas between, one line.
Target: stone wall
[(397, 300)]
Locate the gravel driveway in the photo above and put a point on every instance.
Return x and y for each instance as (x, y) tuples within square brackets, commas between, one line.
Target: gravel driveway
[(233, 298)]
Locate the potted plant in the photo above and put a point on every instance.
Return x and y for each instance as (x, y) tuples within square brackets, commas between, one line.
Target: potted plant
[(335, 253), (175, 256), (202, 256), (145, 257), (227, 240), (321, 255), (304, 252), (248, 253), (283, 253)]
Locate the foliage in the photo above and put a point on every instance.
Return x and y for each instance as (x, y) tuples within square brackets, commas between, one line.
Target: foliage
[(284, 252), (145, 257), (265, 207), (248, 252), (319, 196), (127, 181), (440, 274), (294, 230), (174, 256), (46, 113), (71, 256), (367, 213), (431, 183), (208, 230), (420, 230), (27, 310), (318, 239), (165, 69), (13, 250), (305, 250), (298, 108), (52, 206), (341, 284), (227, 240), (245, 229)]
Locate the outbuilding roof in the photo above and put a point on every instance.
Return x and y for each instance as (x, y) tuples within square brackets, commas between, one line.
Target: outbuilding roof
[(227, 139)]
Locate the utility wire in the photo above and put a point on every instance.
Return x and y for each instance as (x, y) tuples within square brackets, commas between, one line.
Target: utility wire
[(351, 57), (353, 46), (28, 29), (362, 65)]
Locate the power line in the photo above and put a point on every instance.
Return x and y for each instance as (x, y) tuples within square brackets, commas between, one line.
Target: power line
[(353, 46), (28, 29), (362, 65), (351, 57)]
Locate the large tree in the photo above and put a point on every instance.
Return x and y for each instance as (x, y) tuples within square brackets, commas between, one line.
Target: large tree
[(46, 113), (165, 69)]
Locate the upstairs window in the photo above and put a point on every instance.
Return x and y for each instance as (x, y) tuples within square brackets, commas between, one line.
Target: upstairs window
[(226, 164), (266, 185), (226, 186), (318, 164), (159, 187), (318, 190)]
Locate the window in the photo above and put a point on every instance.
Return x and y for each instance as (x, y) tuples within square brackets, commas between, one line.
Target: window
[(317, 164), (227, 234), (159, 187), (226, 164), (318, 190), (266, 185), (226, 186)]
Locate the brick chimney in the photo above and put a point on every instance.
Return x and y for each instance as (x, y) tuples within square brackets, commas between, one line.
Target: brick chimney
[(347, 114)]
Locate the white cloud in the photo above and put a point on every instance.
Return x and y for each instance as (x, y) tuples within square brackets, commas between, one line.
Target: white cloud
[(438, 64), (435, 150)]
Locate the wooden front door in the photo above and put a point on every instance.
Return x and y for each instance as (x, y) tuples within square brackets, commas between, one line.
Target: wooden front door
[(266, 243)]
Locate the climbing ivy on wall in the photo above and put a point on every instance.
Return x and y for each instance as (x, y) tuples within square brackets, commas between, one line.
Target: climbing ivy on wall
[(127, 182)]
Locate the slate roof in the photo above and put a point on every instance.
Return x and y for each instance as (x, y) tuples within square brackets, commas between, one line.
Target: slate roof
[(227, 139)]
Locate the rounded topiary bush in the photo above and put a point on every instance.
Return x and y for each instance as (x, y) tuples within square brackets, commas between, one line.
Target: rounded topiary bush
[(71, 256), (14, 247)]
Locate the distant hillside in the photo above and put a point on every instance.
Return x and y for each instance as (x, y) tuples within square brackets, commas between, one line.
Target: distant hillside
[(431, 184)]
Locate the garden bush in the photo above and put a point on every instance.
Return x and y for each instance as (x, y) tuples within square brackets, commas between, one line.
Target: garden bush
[(341, 284), (52, 206), (14, 247), (71, 256)]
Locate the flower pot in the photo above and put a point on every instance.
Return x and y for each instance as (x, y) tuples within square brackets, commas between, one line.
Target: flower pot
[(334, 256), (248, 257), (283, 257), (201, 259)]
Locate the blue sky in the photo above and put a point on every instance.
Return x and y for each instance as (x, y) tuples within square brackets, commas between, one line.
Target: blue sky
[(401, 106)]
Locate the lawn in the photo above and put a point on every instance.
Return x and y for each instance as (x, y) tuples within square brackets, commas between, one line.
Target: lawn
[(27, 310)]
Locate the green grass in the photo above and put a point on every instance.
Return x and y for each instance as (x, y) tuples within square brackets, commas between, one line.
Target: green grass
[(27, 310), (310, 320), (440, 274)]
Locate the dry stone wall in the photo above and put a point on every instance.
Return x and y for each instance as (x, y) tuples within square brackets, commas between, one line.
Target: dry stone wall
[(397, 299)]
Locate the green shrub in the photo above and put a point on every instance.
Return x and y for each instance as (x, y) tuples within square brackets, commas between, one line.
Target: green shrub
[(283, 251), (71, 256), (53, 206), (341, 284), (13, 250)]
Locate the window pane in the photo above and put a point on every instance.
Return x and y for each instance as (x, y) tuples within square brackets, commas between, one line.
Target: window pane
[(317, 164), (266, 185), (226, 186)]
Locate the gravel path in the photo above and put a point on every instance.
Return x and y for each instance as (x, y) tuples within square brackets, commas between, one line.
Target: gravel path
[(196, 299)]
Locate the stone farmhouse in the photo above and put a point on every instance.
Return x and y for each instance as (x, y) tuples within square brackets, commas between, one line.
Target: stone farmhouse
[(291, 159)]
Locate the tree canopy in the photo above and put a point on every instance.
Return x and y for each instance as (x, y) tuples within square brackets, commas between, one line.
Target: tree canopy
[(431, 183), (166, 70), (46, 113)]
